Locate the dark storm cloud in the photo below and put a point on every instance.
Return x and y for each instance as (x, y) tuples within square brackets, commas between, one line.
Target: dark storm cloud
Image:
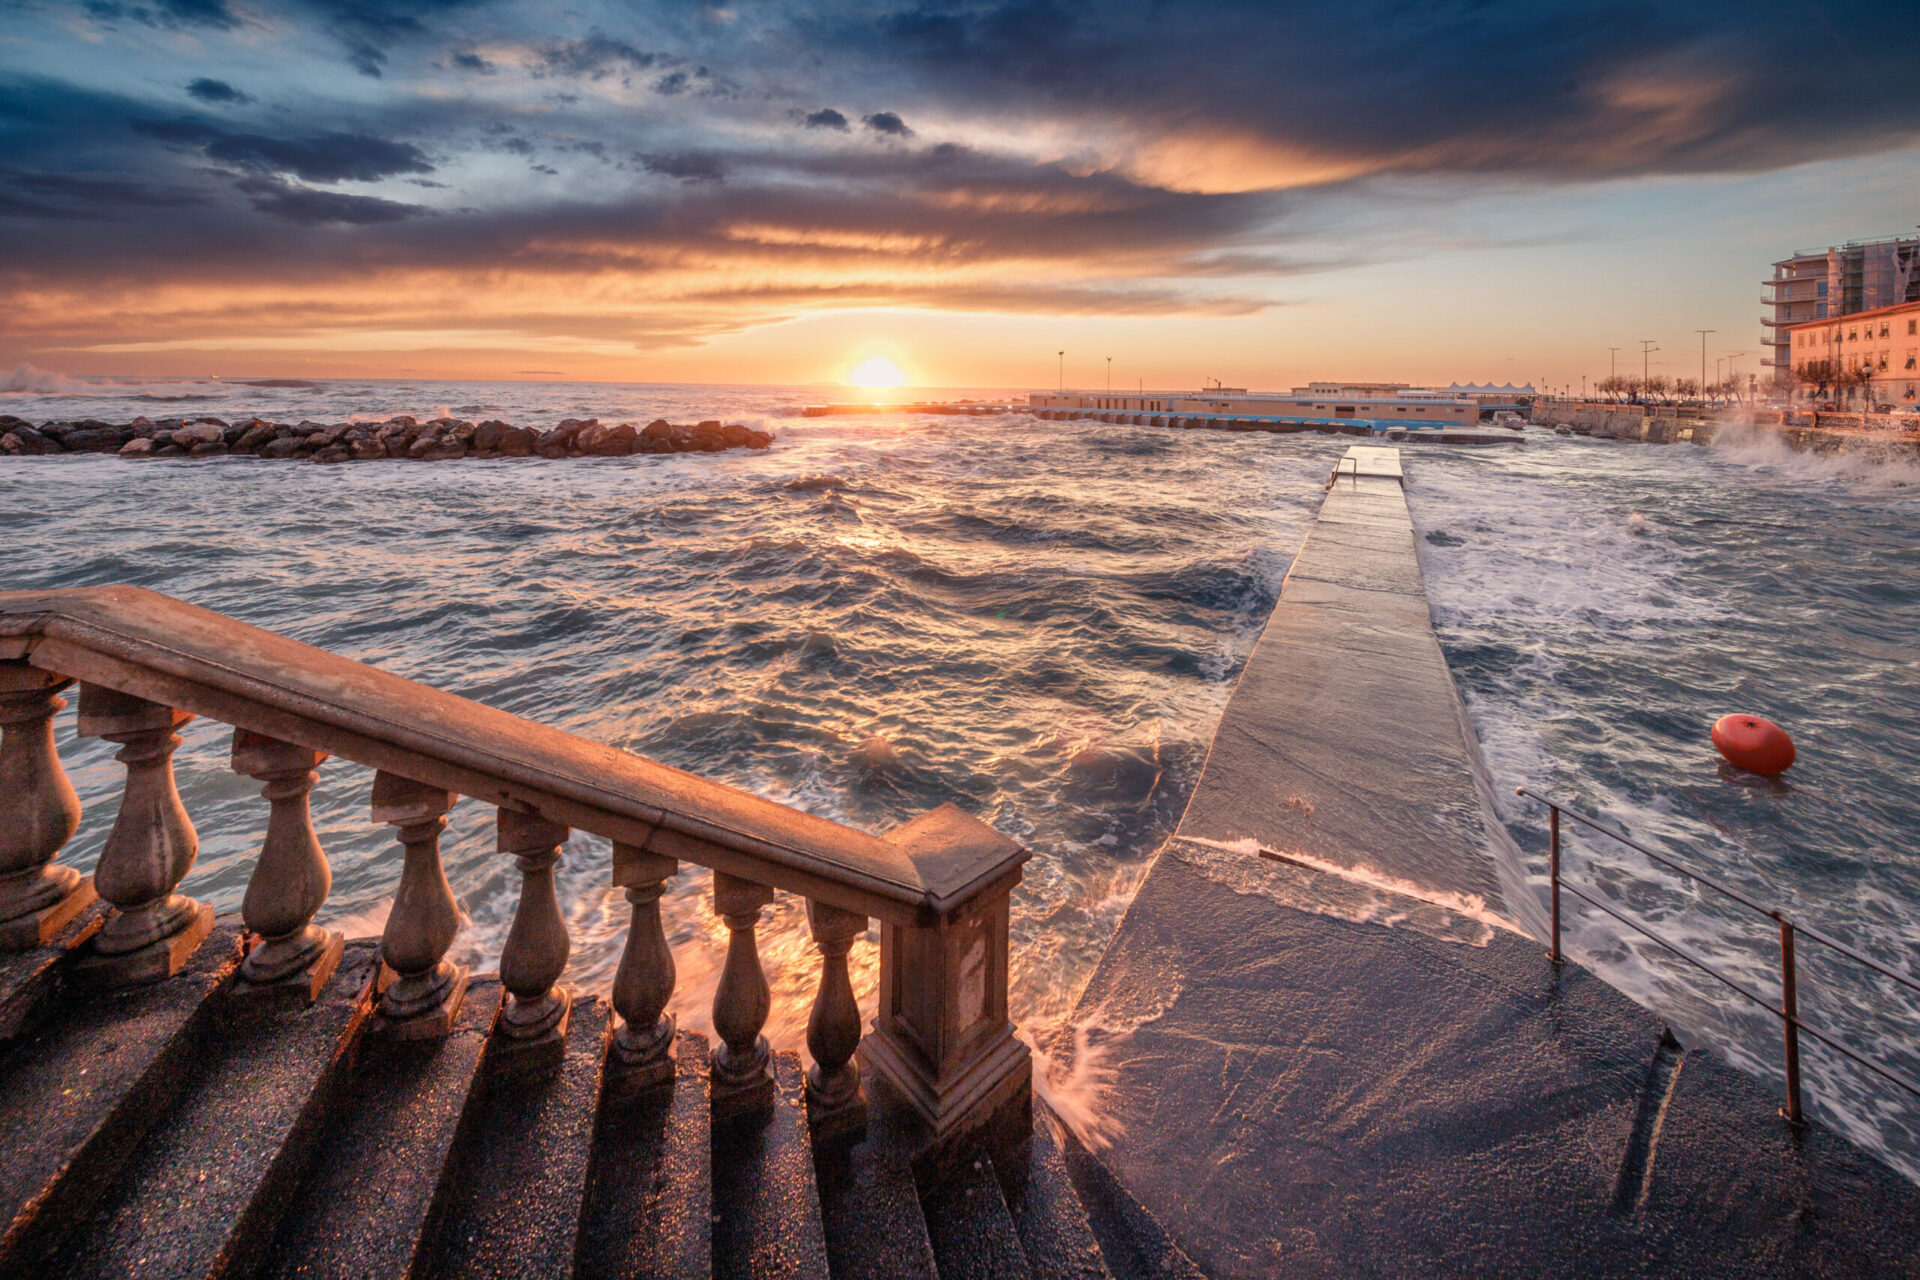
[(687, 166), (888, 123), (217, 92), (594, 57), (368, 29), (325, 157), (60, 195), (826, 118)]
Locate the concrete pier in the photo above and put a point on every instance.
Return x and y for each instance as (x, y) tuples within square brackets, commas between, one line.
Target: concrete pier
[(1337, 1054)]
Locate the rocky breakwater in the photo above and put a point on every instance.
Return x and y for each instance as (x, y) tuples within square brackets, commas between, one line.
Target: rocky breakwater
[(436, 440)]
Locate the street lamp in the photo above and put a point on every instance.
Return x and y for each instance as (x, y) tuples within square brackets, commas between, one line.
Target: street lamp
[(1063, 371), (1703, 361), (1109, 373), (1646, 368)]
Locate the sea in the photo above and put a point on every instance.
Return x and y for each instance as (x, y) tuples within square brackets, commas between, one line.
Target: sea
[(1041, 622)]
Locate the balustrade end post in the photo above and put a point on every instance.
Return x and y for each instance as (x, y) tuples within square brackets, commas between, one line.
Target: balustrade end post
[(40, 813), (152, 846), (942, 1038)]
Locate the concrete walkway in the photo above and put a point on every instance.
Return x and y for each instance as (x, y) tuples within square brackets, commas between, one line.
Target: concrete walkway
[(1336, 1057)]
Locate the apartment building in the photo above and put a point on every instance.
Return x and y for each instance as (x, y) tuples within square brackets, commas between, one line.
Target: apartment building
[(1840, 280), (1884, 341)]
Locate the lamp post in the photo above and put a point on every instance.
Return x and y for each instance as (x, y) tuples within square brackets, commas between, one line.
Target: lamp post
[(1063, 371), (1646, 367), (1109, 373), (1703, 361), (1613, 361)]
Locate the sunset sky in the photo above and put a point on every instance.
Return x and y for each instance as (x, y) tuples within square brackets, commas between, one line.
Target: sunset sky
[(1258, 192)]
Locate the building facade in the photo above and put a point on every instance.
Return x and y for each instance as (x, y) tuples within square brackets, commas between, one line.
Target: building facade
[(1410, 410), (1841, 280), (1868, 358)]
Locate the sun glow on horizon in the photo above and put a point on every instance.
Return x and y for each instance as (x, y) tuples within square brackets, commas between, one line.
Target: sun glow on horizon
[(877, 373)]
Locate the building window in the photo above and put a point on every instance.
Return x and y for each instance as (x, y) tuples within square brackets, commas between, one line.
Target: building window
[(1911, 325)]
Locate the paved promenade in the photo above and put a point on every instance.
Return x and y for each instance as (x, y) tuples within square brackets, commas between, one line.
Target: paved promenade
[(1343, 1061)]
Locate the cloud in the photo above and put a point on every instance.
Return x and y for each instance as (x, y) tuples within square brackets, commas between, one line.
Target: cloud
[(310, 208), (165, 13), (325, 157), (826, 118), (687, 166), (217, 91), (888, 123), (593, 57)]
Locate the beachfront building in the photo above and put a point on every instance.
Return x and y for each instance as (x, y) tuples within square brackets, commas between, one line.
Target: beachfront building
[(1869, 358), (1413, 408), (1840, 280)]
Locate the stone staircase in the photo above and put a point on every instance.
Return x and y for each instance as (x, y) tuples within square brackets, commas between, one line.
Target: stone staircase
[(179, 1129)]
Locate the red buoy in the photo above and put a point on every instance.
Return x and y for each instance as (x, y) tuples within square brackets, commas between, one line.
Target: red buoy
[(1752, 742)]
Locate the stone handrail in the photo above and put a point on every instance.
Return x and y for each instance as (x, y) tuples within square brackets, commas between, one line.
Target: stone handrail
[(147, 663)]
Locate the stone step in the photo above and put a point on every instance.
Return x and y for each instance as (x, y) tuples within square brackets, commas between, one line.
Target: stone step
[(365, 1203), (205, 1189), (519, 1173), (30, 979), (1055, 1233), (1132, 1240), (869, 1206), (972, 1230), (79, 1091), (649, 1203), (766, 1211)]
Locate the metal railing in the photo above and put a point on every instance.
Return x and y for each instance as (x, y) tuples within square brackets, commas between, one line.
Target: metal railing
[(1787, 1010)]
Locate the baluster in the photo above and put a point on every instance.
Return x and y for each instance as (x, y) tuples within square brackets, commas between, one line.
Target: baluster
[(426, 993), (643, 1046), (742, 1077), (149, 851), (290, 879), (535, 954), (835, 1105), (39, 812)]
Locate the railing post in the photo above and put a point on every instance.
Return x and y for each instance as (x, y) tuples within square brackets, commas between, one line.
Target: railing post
[(39, 812), (742, 1076), (535, 953), (1790, 1018), (291, 878), (942, 1038), (1553, 880), (835, 1105), (426, 992), (643, 984), (149, 851)]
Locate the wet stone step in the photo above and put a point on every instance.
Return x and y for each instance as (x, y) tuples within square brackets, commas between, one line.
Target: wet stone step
[(649, 1210), (363, 1207), (79, 1091), (519, 1178), (30, 979), (1132, 1240), (869, 1206), (972, 1231), (207, 1185), (766, 1212), (1054, 1232)]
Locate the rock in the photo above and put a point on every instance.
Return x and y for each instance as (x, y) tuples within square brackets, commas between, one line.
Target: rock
[(659, 444), (658, 429), (735, 435), (8, 422), (759, 439), (367, 448), (97, 439), (488, 435), (607, 442), (327, 437), (30, 443), (333, 453), (436, 448), (711, 424), (709, 438), (562, 437), (9, 444), (199, 433), (403, 420), (282, 447), (209, 449), (254, 438), (169, 451), (518, 442), (813, 484), (138, 447)]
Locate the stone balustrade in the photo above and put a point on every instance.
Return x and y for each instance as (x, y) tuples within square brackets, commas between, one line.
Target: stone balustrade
[(146, 664)]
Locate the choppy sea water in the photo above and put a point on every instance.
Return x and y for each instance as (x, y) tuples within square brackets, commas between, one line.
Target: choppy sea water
[(1042, 621)]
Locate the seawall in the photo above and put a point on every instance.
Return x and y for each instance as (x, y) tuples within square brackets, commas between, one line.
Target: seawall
[(1334, 1051), (1807, 431)]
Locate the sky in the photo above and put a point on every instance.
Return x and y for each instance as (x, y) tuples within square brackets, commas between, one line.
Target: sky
[(1256, 192)]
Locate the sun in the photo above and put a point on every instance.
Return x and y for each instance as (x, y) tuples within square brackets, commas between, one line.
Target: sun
[(876, 373)]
